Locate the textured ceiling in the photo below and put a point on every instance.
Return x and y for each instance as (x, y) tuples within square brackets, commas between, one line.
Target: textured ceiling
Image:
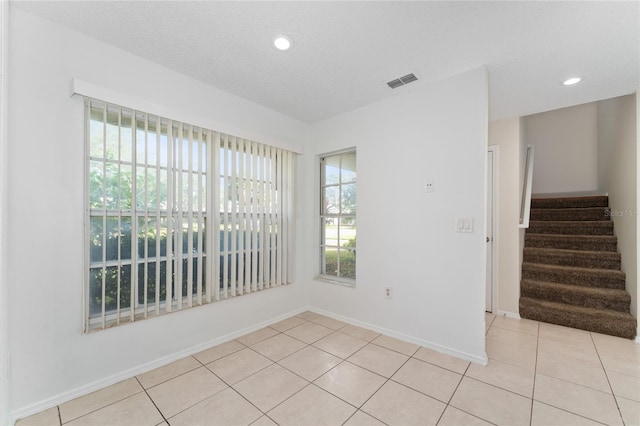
[(344, 51)]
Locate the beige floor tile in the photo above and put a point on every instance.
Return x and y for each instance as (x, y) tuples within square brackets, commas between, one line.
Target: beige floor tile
[(135, 410), (546, 415), (520, 325), (405, 348), (257, 336), (340, 345), (442, 360), (277, 347), (454, 417), (507, 353), (264, 421), (630, 411), (308, 315), (167, 372), (328, 322), (505, 376), (514, 338), (624, 385), (360, 333), (565, 334), (226, 408), (395, 404), (219, 351), (577, 399), (312, 406), (360, 418), (605, 343), (573, 370), (491, 403), (310, 362), (270, 387), (49, 417), (351, 383), (239, 365), (433, 381), (288, 323), (549, 348), (621, 363), (98, 399), (379, 360), (309, 332), (182, 392)]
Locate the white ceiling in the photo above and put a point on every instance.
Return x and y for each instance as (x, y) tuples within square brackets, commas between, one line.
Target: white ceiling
[(344, 51)]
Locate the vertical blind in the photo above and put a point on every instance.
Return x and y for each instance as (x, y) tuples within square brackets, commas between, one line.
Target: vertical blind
[(179, 216)]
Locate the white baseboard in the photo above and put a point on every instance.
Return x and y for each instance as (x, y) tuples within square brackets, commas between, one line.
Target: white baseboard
[(507, 314), (140, 369), (637, 340), (482, 360)]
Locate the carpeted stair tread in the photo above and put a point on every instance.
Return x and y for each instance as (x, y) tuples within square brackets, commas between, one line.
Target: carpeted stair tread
[(603, 321), (571, 214), (581, 258), (588, 277), (570, 202), (571, 227), (572, 242), (590, 297)]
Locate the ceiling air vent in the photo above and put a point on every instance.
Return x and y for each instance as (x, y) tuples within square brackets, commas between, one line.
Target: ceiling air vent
[(402, 81)]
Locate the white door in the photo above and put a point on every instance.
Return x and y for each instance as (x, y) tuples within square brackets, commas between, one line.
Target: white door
[(489, 237)]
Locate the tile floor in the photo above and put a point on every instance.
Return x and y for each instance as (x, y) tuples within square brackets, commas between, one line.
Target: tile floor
[(314, 370)]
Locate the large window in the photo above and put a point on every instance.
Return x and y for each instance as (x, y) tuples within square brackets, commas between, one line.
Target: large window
[(338, 217), (179, 216)]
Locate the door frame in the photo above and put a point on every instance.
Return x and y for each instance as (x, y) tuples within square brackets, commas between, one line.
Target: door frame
[(492, 207)]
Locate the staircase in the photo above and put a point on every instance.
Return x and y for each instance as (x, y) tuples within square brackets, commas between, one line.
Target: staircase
[(571, 268)]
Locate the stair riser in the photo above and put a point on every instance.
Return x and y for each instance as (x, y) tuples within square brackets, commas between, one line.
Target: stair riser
[(585, 230), (567, 203), (553, 295), (569, 244), (573, 260), (575, 278), (625, 329), (598, 213)]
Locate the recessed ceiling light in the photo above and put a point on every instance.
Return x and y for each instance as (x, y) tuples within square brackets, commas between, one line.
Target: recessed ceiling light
[(572, 81), (282, 42)]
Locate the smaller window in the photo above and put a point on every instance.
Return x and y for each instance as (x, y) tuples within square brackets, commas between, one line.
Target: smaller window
[(338, 217)]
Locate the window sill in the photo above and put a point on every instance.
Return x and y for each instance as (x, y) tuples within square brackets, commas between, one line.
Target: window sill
[(337, 281)]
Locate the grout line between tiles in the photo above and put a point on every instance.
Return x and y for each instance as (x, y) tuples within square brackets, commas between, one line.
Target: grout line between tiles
[(152, 401), (104, 406), (388, 379), (535, 372), (615, 399)]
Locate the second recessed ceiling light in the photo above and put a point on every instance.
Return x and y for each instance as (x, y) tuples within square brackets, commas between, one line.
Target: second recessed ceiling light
[(282, 42), (572, 81)]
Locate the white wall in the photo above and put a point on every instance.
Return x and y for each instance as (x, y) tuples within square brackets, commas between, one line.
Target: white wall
[(4, 314), (406, 237), (506, 135), (566, 150), (51, 360), (619, 131)]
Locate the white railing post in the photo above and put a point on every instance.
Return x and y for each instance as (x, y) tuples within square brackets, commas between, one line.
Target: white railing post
[(525, 205)]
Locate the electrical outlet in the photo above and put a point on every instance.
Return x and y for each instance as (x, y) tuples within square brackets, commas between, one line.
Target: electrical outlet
[(388, 292), (428, 186)]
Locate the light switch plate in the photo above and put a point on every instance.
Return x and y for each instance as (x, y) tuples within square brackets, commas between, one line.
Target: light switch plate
[(464, 224)]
